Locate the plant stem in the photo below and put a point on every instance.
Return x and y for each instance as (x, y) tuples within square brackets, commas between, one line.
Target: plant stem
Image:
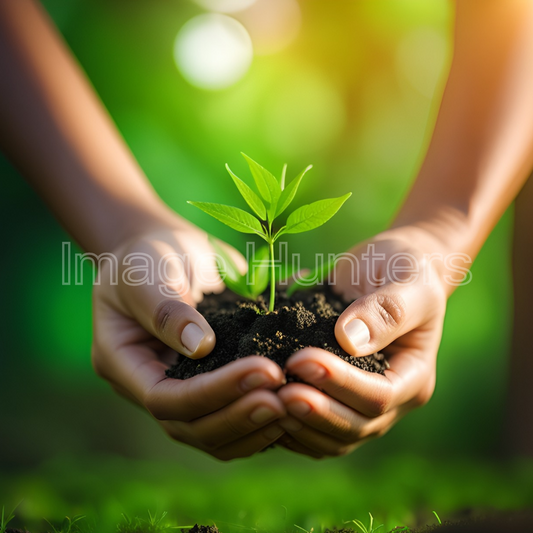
[(272, 277)]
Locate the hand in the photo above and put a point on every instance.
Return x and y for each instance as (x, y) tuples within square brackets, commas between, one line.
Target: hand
[(148, 315), (403, 319)]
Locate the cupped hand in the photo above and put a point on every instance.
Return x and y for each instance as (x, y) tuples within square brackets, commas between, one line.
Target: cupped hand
[(144, 313), (394, 313)]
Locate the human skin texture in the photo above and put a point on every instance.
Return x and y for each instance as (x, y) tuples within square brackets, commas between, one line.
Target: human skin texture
[(479, 157), (55, 130)]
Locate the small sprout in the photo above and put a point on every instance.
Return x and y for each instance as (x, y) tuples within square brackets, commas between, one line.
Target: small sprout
[(5, 519), (437, 517), (362, 527), (67, 525), (273, 199)]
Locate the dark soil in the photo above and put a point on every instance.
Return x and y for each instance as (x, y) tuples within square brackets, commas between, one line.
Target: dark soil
[(201, 529), (512, 522), (245, 328)]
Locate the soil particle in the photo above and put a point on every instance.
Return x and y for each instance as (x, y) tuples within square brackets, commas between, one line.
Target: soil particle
[(201, 529), (245, 328)]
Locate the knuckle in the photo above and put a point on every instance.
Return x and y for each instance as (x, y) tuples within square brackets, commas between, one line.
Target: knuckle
[(380, 403), (152, 403), (162, 316), (389, 308), (223, 456), (423, 397), (339, 451)]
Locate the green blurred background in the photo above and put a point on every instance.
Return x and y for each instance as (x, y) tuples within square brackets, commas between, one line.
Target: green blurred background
[(354, 92)]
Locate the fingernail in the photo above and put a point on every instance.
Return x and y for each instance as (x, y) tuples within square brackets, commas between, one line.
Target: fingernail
[(273, 432), (299, 408), (191, 336), (310, 371), (262, 415), (290, 424), (254, 380), (358, 332)]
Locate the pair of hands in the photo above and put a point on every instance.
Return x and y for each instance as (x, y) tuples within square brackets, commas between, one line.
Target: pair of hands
[(146, 313)]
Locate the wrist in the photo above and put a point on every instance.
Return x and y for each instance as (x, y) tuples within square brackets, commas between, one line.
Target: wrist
[(438, 249)]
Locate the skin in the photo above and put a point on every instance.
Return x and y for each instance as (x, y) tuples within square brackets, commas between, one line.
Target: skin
[(83, 170), (479, 157)]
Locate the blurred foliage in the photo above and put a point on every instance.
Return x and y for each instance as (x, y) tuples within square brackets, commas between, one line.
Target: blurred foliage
[(270, 495), (355, 95)]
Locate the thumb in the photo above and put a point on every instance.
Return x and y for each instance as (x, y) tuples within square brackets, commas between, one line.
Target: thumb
[(376, 319), (162, 308), (183, 328)]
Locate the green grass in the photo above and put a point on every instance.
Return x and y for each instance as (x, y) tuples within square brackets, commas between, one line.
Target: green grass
[(68, 525), (5, 519), (268, 494), (360, 525)]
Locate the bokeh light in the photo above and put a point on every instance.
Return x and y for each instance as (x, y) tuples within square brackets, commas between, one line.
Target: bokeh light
[(420, 58), (272, 24), (225, 6), (213, 51), (304, 116)]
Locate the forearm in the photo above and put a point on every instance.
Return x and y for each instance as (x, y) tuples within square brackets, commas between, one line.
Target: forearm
[(481, 152), (56, 131)]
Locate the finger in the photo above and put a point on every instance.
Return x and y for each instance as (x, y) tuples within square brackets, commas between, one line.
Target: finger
[(244, 416), (318, 442), (171, 399), (375, 320), (251, 444), (371, 394), (308, 406), (138, 370), (161, 306), (290, 443)]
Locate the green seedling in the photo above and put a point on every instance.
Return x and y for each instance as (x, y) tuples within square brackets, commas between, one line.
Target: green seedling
[(5, 519), (67, 525), (362, 527), (437, 517), (153, 524), (273, 199)]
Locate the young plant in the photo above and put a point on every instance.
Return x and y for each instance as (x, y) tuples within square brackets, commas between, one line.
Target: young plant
[(67, 526), (362, 527), (5, 519), (153, 524), (273, 199)]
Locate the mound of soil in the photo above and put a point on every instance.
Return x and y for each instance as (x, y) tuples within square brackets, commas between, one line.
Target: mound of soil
[(201, 529), (244, 328)]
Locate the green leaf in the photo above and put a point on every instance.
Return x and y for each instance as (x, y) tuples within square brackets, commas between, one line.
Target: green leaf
[(311, 278), (287, 196), (283, 175), (249, 195), (232, 216), (229, 271), (267, 185), (230, 268), (260, 272), (313, 215)]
